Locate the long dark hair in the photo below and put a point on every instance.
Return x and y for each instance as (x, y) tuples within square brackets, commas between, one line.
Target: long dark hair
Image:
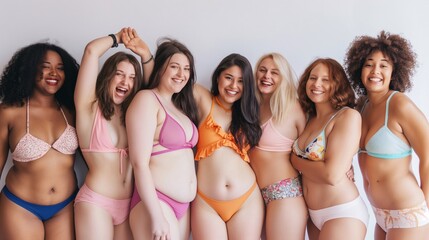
[(183, 100), (17, 81), (245, 111), (105, 78)]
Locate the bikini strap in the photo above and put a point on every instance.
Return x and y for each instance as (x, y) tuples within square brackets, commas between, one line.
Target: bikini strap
[(333, 116), (157, 98), (166, 113), (64, 115), (28, 116), (386, 114)]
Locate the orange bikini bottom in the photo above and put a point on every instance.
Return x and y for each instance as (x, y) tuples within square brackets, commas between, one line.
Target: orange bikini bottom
[(227, 208)]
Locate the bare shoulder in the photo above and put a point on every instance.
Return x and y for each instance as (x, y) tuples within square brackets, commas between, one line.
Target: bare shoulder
[(201, 93), (350, 113), (400, 101), (144, 100), (145, 95), (348, 116), (402, 107), (8, 113)]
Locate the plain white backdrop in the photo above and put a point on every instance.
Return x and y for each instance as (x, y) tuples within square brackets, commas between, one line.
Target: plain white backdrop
[(300, 30)]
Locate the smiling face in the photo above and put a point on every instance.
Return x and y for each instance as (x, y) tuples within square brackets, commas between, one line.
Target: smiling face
[(176, 73), (267, 76), (230, 85), (50, 74), (377, 72), (318, 87), (122, 82)]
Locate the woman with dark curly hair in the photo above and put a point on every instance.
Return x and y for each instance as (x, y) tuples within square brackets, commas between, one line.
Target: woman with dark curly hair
[(324, 151), (380, 70), (36, 125)]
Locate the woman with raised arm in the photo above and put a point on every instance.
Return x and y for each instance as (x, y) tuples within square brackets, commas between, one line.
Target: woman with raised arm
[(380, 70), (36, 126), (102, 204)]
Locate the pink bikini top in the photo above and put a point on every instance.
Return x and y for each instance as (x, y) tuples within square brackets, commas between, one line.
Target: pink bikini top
[(272, 140), (172, 136), (100, 141), (30, 148)]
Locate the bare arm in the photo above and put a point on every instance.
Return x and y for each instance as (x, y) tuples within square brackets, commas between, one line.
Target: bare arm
[(300, 118), (141, 122), (342, 144), (415, 127), (203, 100), (87, 77)]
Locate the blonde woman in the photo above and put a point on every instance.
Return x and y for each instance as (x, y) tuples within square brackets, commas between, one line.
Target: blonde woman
[(282, 121)]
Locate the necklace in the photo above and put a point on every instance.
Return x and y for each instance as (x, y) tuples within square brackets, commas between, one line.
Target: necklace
[(221, 105)]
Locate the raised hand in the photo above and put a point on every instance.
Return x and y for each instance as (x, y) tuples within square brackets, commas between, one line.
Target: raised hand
[(132, 41)]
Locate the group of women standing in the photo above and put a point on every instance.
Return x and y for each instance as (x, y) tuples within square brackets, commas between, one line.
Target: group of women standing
[(273, 153)]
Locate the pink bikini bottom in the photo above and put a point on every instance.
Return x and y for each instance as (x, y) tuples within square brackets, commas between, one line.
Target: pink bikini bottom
[(118, 209), (178, 208)]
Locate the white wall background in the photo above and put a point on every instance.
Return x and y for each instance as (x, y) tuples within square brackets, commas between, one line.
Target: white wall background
[(300, 30)]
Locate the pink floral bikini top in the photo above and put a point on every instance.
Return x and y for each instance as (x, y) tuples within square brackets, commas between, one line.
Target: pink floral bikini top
[(30, 148)]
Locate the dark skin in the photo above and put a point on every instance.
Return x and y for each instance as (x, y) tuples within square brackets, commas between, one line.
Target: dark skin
[(47, 180)]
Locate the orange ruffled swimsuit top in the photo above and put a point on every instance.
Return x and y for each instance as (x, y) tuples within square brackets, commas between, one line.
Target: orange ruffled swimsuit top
[(212, 137)]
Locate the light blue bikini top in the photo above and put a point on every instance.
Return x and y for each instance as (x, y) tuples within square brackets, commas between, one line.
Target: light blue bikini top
[(384, 144)]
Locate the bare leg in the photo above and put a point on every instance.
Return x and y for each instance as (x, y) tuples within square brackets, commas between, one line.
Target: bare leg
[(139, 222), (123, 231), (247, 222), (92, 222), (337, 229), (379, 233), (312, 231), (185, 225), (16, 223), (420, 233), (286, 219), (61, 226), (206, 224)]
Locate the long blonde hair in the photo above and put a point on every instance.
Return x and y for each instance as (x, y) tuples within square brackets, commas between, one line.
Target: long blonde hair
[(285, 95)]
